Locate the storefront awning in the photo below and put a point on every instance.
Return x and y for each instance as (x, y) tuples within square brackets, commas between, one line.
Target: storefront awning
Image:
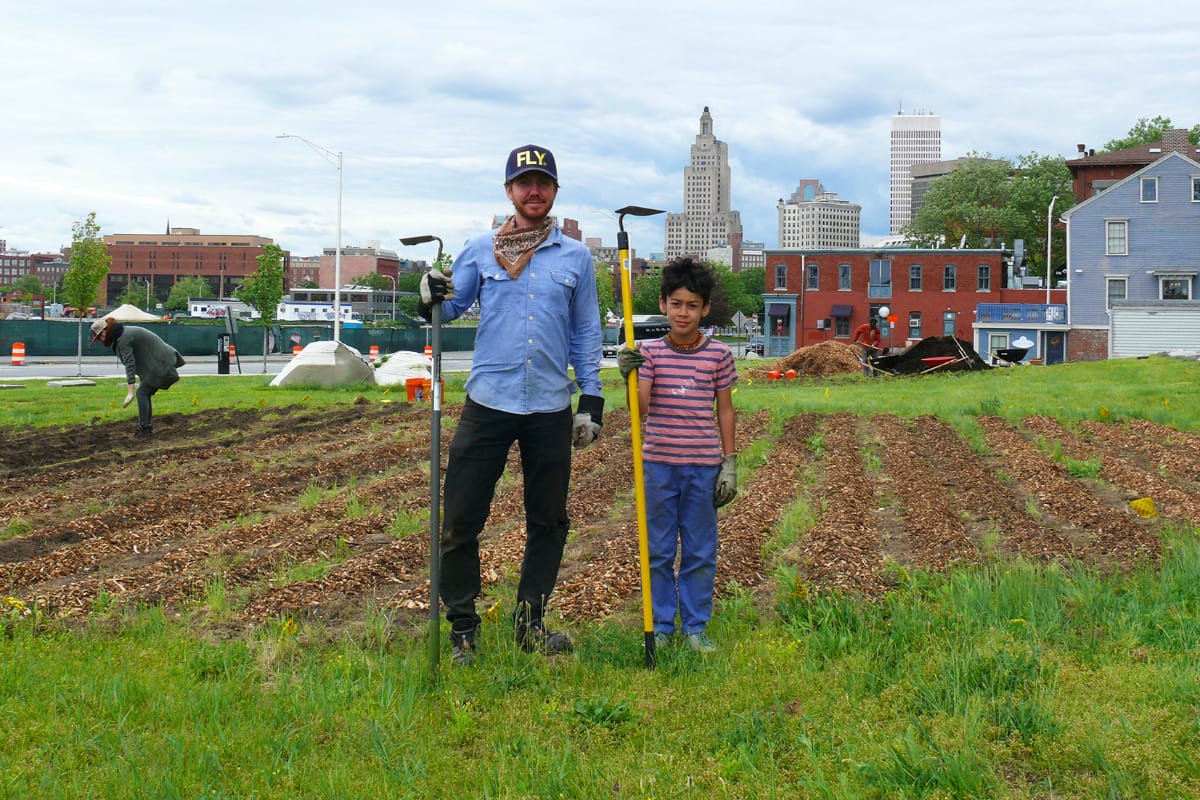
[(841, 311), (778, 309)]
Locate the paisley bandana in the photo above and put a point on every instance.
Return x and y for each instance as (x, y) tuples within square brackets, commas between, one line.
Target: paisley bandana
[(514, 246)]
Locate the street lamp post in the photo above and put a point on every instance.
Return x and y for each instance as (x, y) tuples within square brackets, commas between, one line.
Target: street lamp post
[(327, 154), (1049, 234)]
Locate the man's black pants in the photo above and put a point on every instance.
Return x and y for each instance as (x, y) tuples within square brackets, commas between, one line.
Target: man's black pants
[(478, 453)]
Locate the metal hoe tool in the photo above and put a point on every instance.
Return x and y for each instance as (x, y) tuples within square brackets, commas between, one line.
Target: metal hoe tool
[(635, 423), (435, 470)]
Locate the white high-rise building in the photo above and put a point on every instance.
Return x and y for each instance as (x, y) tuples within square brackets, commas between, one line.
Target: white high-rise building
[(706, 220), (815, 218), (916, 139)]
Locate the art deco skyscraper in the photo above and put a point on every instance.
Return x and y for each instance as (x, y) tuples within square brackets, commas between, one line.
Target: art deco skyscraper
[(916, 139), (706, 220)]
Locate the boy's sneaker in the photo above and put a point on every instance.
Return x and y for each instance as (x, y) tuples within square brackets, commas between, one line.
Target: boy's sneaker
[(661, 639), (533, 636), (701, 643), (462, 644)]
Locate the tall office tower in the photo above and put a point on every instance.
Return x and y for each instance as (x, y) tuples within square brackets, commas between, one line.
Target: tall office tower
[(816, 218), (916, 139), (706, 220)]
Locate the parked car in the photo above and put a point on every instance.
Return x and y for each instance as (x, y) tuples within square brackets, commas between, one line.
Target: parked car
[(756, 345)]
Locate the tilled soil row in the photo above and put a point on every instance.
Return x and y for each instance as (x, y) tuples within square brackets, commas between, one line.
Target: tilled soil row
[(143, 526), (928, 506), (991, 504), (842, 550), (1171, 499), (1161, 450), (1114, 536)]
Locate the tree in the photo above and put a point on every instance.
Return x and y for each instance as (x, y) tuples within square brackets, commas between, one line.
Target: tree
[(89, 264), (605, 293), (754, 283), (970, 205), (136, 293), (28, 286), (374, 280), (263, 289), (1145, 131), (646, 290), (185, 288), (1037, 181)]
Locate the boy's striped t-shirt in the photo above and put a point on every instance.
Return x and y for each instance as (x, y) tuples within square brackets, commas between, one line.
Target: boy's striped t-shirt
[(680, 420)]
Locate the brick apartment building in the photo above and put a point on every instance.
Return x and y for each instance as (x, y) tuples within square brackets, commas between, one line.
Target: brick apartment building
[(162, 259), (815, 295)]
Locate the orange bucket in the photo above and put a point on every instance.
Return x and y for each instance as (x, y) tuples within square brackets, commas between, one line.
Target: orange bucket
[(296, 350), (18, 354)]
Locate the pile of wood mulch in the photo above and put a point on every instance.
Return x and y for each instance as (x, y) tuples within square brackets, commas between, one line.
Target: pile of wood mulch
[(819, 360)]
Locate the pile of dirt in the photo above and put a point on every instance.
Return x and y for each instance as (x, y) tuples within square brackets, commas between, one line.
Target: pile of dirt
[(820, 360), (909, 362)]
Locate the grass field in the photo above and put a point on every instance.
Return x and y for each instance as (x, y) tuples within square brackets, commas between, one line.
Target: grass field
[(1013, 629)]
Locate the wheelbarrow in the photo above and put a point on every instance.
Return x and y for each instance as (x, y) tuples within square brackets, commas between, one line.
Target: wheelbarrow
[(1009, 356)]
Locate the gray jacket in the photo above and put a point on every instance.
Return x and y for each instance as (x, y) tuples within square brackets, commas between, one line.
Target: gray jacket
[(148, 357)]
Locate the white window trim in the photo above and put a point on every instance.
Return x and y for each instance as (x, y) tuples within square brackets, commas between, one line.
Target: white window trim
[(1194, 183), (1142, 189), (1124, 222)]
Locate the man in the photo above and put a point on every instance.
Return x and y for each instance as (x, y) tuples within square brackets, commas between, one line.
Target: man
[(538, 314), (144, 355), (866, 336)]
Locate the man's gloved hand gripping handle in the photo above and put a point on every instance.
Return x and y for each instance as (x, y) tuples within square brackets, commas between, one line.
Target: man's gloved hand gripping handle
[(585, 427), (435, 287)]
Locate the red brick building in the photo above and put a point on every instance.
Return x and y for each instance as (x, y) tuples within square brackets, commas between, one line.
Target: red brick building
[(815, 295), (162, 259), (1094, 172)]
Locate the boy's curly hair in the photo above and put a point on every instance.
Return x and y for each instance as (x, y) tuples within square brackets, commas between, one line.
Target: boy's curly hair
[(686, 272)]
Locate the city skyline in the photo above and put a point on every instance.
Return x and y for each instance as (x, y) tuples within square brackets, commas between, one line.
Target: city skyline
[(146, 113)]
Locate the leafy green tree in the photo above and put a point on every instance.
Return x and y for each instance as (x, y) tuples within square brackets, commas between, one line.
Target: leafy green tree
[(754, 283), (374, 280), (263, 289), (1037, 180), (605, 293), (309, 284), (970, 205), (89, 264), (1145, 131), (28, 286), (646, 289), (135, 294), (184, 288)]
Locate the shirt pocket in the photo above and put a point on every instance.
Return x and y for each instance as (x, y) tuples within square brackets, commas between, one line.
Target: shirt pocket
[(497, 291), (562, 285)]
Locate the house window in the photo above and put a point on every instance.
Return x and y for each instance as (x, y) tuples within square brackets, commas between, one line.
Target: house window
[(914, 325), (780, 277), (843, 277), (985, 278), (949, 278), (914, 278), (1196, 188), (997, 341), (1118, 289), (881, 278), (1149, 190), (841, 327), (1174, 288), (812, 280), (948, 323), (1116, 238)]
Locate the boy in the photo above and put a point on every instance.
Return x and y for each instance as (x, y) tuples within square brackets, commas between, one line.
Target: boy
[(689, 465)]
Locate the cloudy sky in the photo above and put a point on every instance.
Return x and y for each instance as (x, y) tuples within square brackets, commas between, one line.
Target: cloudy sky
[(149, 112)]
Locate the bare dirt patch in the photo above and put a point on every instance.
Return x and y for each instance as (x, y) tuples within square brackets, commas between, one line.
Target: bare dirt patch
[(324, 513)]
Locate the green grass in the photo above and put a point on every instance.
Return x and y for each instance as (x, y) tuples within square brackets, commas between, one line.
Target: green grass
[(1010, 680)]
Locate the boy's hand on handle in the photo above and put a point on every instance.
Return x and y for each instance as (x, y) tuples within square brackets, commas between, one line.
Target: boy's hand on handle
[(586, 425), (129, 395), (726, 488), (628, 361)]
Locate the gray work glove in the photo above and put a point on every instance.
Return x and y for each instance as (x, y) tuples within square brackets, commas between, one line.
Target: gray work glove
[(628, 361), (435, 287), (585, 427), (726, 488)]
